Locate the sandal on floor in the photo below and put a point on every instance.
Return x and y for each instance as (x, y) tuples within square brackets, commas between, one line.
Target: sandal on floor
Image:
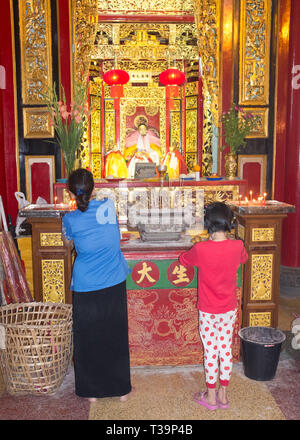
[(222, 405), (199, 398)]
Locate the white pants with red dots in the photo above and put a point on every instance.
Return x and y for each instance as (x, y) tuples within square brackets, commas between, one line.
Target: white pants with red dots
[(216, 334)]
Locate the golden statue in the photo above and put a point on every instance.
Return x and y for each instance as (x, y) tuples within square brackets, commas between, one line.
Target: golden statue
[(174, 162), (115, 164), (143, 145)]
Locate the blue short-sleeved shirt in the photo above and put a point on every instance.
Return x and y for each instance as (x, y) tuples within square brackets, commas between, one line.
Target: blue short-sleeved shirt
[(96, 236)]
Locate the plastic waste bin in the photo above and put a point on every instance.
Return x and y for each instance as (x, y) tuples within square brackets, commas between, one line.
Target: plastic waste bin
[(261, 348)]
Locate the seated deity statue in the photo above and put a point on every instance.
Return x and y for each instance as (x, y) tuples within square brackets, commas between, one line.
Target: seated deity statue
[(143, 145), (174, 162), (115, 164)]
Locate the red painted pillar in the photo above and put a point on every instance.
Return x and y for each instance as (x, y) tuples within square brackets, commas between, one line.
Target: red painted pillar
[(290, 258), (8, 137), (226, 67), (64, 44)]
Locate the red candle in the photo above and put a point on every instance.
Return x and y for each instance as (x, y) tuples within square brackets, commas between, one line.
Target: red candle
[(55, 199)]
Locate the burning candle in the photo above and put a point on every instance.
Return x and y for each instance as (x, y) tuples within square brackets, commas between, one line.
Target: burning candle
[(265, 195), (246, 200), (251, 195), (55, 200), (240, 197)]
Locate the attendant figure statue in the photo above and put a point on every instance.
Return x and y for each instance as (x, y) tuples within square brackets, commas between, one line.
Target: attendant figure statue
[(143, 145), (174, 162), (115, 164)]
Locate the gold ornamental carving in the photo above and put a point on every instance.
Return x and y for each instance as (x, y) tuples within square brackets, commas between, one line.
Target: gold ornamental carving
[(207, 18), (207, 159), (263, 234), (241, 231), (53, 280), (36, 123), (145, 41), (36, 54), (260, 319), (261, 128), (255, 35), (161, 7), (175, 127), (261, 277), (84, 32), (51, 239)]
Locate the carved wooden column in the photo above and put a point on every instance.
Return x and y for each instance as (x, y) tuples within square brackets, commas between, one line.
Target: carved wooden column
[(260, 229), (51, 258)]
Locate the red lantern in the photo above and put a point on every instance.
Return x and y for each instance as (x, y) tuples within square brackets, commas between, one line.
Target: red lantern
[(172, 78), (115, 79)]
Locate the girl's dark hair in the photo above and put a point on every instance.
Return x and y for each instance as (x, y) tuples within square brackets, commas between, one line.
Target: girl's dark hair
[(218, 217), (81, 184)]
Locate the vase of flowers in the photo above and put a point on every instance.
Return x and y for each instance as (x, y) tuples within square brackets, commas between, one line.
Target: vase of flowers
[(237, 125), (69, 122)]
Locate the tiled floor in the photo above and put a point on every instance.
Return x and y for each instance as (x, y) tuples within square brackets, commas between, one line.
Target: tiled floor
[(276, 399)]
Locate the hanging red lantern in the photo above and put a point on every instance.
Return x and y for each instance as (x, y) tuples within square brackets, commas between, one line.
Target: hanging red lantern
[(115, 79), (172, 78)]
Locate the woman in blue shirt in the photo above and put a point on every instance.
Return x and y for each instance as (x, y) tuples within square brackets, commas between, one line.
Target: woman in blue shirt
[(100, 321)]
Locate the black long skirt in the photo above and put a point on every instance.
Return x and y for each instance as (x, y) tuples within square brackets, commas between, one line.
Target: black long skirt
[(101, 348)]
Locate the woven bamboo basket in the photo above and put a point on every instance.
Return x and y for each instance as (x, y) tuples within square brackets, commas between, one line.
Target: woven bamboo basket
[(35, 346)]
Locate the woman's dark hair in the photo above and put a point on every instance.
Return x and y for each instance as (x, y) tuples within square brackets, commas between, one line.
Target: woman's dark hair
[(81, 184), (218, 217)]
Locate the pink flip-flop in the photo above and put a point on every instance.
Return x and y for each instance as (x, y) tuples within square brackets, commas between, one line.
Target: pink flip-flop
[(199, 398), (222, 405)]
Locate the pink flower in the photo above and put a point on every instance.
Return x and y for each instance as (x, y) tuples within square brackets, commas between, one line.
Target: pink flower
[(65, 114), (60, 103), (78, 119), (63, 109)]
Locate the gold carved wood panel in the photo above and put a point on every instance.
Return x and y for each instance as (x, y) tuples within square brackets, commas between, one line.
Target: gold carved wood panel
[(36, 55), (109, 123), (263, 234), (36, 123), (175, 127), (260, 319), (50, 239), (165, 7), (261, 277), (255, 32), (53, 280)]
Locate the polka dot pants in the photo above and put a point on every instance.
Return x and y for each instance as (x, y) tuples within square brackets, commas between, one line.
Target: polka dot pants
[(216, 334)]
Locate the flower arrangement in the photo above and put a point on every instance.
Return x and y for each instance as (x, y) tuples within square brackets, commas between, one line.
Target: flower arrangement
[(237, 125), (69, 124)]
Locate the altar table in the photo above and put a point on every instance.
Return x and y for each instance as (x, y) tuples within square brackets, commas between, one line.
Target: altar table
[(162, 294)]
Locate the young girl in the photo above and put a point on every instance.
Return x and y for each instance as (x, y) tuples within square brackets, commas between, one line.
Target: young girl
[(100, 322), (217, 260)]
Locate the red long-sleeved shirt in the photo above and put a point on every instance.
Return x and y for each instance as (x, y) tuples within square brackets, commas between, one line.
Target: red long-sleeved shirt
[(217, 263)]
